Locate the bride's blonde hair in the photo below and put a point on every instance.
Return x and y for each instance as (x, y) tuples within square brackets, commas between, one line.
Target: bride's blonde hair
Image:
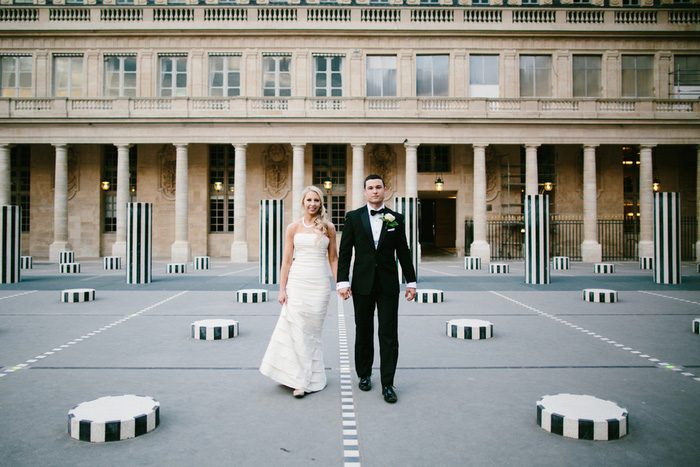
[(321, 219)]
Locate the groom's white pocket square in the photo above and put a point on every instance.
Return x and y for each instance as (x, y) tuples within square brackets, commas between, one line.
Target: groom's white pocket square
[(390, 230)]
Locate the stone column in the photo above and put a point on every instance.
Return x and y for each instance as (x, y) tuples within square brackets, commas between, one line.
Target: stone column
[(480, 247), (60, 204), (180, 250), (297, 180), (411, 170), (358, 176), (531, 180), (239, 247), (119, 247), (591, 250), (646, 202), (697, 203), (5, 175)]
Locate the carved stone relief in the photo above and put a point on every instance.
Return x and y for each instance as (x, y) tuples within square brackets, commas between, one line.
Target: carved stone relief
[(492, 173), (276, 171), (383, 163), (73, 173), (168, 166)]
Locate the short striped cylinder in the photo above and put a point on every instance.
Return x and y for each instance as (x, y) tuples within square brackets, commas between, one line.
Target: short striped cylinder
[(560, 262), (696, 326), (26, 262), (77, 295), (429, 296), (408, 207), (271, 239), (604, 268), (10, 244), (69, 268), (667, 238), (600, 295), (66, 257), (251, 296), (113, 418), (472, 262), (176, 268), (537, 239), (201, 262), (646, 262), (499, 268), (698, 267), (112, 262), (471, 329), (214, 329), (139, 220), (582, 417)]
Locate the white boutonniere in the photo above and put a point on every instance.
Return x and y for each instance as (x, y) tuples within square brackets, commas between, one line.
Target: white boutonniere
[(389, 220)]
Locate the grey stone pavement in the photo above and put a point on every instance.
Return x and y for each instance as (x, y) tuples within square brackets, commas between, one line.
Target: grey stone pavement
[(460, 402)]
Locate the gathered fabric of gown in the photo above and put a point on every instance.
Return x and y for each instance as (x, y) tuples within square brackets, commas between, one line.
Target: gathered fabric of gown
[(294, 356)]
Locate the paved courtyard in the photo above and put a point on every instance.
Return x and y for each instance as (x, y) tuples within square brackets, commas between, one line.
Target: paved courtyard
[(460, 403)]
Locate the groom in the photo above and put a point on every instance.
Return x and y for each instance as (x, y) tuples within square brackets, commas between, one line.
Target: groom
[(378, 237)]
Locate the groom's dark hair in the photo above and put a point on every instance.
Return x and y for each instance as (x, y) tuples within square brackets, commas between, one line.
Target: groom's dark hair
[(374, 177)]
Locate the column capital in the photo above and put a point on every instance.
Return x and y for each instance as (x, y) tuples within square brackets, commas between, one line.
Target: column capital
[(408, 145), (480, 145), (60, 145), (590, 146), (181, 145), (123, 145), (358, 145), (647, 146), (532, 145), (240, 146), (298, 145)]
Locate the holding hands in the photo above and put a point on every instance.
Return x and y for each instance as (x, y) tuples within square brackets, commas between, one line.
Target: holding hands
[(344, 293)]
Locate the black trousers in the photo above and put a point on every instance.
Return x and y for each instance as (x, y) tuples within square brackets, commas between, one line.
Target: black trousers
[(387, 306)]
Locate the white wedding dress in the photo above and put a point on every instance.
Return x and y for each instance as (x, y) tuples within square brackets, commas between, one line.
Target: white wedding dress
[(294, 356)]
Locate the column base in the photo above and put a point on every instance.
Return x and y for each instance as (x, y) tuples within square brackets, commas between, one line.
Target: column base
[(180, 252), (119, 249), (591, 252), (481, 249), (55, 248), (239, 252), (645, 248)]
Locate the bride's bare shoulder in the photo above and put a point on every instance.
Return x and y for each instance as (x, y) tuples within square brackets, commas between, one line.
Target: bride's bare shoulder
[(293, 226)]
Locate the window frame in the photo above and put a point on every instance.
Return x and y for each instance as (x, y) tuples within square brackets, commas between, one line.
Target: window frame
[(431, 72), (588, 73), (383, 70), (636, 71), (277, 75), (16, 90), (329, 89), (226, 71), (121, 72), (535, 80), (174, 89)]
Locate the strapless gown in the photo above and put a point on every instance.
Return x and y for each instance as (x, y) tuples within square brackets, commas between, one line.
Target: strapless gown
[(294, 356)]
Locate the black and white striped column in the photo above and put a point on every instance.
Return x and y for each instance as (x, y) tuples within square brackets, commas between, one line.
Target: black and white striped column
[(408, 207), (10, 244), (112, 262), (667, 238), (271, 239), (201, 262), (537, 239), (472, 262), (139, 221), (66, 257)]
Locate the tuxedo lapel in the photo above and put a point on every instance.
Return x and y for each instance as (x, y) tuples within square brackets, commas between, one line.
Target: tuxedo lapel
[(382, 234), (364, 216)]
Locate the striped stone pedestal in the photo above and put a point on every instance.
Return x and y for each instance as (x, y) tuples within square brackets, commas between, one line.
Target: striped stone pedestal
[(214, 329), (696, 326), (537, 239), (66, 257), (667, 238), (271, 240), (408, 206), (471, 329), (560, 262), (499, 268), (139, 221), (176, 268), (603, 268), (472, 262), (113, 418), (600, 295), (582, 417), (112, 262), (69, 268), (77, 295), (429, 296), (698, 267), (646, 262), (10, 244), (26, 262), (201, 262), (251, 295)]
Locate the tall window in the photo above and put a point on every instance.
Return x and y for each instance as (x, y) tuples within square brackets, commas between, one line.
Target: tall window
[(173, 76), (20, 178), (381, 76), (277, 76), (535, 75), (587, 76), (224, 75), (328, 76), (16, 72), (330, 161), (686, 76), (109, 193), (637, 75), (433, 158), (68, 76), (432, 75), (483, 76), (120, 76), (221, 187)]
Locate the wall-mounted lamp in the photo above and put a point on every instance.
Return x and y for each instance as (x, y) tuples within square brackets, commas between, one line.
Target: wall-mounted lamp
[(105, 185), (439, 184), (133, 188), (328, 184), (548, 186), (218, 186), (656, 185)]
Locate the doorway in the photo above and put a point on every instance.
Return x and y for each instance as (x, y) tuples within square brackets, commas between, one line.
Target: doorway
[(437, 217)]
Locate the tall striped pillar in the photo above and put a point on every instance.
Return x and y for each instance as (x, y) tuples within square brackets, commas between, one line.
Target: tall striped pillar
[(10, 244), (139, 218), (408, 206), (271, 239), (537, 239), (667, 238)]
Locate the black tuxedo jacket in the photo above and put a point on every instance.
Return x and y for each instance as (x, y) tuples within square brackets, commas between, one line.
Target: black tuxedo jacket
[(357, 234)]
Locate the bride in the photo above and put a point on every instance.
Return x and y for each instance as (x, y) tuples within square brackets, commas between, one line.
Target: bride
[(294, 356)]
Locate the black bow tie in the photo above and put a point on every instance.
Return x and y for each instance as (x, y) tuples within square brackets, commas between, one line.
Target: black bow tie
[(372, 212)]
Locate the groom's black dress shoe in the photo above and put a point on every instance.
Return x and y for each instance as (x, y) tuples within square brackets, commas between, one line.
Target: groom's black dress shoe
[(366, 383), (389, 394)]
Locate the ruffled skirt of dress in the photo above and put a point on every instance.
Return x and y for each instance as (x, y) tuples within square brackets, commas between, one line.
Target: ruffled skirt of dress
[(294, 356)]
